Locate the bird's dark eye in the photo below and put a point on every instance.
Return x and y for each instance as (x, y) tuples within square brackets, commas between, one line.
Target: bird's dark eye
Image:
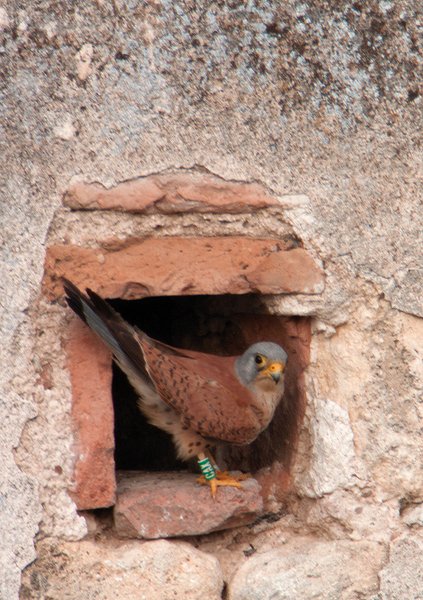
[(259, 359)]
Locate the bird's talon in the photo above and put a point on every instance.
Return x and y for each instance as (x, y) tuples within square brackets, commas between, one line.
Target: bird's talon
[(218, 481), (213, 487)]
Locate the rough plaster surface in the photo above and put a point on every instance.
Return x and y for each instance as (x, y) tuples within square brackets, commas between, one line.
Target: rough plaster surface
[(303, 100), (402, 577)]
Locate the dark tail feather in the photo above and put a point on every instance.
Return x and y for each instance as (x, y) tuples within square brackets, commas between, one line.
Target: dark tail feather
[(117, 334), (74, 298)]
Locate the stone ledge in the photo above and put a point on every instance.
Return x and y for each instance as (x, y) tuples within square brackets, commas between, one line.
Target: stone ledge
[(172, 504), (137, 268), (171, 193)]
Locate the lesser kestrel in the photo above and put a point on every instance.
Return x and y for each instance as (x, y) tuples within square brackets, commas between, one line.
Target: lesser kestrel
[(201, 400)]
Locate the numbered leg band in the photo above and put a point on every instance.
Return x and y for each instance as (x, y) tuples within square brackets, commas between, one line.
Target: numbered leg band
[(207, 469)]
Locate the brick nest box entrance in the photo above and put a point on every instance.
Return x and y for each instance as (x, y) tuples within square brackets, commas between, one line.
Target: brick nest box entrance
[(203, 293)]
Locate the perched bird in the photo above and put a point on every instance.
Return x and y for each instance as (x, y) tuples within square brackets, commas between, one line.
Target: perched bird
[(201, 400)]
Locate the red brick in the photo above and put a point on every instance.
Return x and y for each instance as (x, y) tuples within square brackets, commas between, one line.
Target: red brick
[(287, 272), (171, 193), (89, 364)]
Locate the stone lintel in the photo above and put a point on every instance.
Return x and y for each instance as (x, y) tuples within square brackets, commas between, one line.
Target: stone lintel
[(136, 268)]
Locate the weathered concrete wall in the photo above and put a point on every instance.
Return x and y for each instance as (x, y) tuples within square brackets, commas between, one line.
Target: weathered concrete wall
[(302, 97)]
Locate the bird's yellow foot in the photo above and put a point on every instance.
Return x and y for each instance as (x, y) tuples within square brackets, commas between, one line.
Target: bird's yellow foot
[(216, 482), (213, 477)]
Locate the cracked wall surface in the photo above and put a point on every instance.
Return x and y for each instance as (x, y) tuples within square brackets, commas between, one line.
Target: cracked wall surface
[(311, 101)]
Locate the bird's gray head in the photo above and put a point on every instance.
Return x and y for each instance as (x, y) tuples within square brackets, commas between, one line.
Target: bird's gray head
[(262, 362)]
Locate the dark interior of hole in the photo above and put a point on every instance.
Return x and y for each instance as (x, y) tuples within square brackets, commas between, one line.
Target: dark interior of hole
[(138, 445), (214, 324)]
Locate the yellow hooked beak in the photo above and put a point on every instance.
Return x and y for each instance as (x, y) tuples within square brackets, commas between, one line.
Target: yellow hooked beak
[(274, 370)]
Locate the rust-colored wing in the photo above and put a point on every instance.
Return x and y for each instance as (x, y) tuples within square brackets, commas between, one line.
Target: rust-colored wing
[(204, 390)]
